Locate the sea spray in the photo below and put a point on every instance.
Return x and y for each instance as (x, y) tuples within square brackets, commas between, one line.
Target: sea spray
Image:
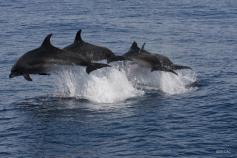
[(142, 77), (107, 85), (159, 80), (120, 82), (176, 84), (112, 87)]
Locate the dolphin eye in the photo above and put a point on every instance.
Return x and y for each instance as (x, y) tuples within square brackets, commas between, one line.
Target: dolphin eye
[(15, 71)]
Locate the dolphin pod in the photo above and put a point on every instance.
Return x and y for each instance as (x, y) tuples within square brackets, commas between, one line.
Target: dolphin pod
[(43, 59)]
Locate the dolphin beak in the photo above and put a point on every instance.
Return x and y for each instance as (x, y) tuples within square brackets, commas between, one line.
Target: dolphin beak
[(11, 75)]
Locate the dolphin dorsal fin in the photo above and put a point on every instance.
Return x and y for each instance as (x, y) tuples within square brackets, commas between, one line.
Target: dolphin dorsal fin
[(78, 38), (46, 42), (143, 46), (134, 45), (142, 49)]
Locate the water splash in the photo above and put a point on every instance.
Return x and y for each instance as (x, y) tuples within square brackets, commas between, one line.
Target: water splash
[(173, 84), (166, 82), (107, 85), (120, 82)]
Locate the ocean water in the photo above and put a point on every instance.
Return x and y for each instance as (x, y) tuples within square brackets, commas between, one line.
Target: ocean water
[(124, 111)]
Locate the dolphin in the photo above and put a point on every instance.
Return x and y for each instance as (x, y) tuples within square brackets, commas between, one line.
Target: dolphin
[(160, 62), (165, 61), (90, 51), (42, 59), (136, 55)]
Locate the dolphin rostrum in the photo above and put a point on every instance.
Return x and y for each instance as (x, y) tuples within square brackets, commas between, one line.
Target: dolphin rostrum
[(154, 61), (90, 51), (42, 59)]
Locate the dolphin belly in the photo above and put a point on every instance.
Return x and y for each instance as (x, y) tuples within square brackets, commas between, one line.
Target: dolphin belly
[(141, 62)]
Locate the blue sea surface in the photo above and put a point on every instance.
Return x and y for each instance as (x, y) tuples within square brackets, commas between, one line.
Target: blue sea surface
[(104, 114)]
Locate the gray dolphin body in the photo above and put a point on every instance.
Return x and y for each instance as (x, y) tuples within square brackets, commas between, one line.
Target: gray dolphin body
[(90, 51), (156, 62), (41, 60), (164, 61)]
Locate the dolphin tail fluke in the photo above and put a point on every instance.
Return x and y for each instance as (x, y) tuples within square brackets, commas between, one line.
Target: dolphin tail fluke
[(116, 58), (163, 69), (178, 67), (27, 77), (95, 66)]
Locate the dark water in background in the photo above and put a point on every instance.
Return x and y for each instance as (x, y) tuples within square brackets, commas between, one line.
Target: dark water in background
[(197, 123)]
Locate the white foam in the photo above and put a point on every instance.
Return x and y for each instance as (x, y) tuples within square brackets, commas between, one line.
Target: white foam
[(173, 84), (166, 82), (107, 85), (142, 77), (118, 83)]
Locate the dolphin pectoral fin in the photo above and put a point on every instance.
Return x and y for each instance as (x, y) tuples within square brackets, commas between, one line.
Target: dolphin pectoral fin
[(178, 67), (169, 70), (27, 77), (163, 69), (116, 58), (194, 84), (94, 66), (44, 74), (172, 71)]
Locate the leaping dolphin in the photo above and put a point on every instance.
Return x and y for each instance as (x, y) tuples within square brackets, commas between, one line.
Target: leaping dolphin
[(148, 60), (42, 59), (155, 61), (165, 61), (90, 51)]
